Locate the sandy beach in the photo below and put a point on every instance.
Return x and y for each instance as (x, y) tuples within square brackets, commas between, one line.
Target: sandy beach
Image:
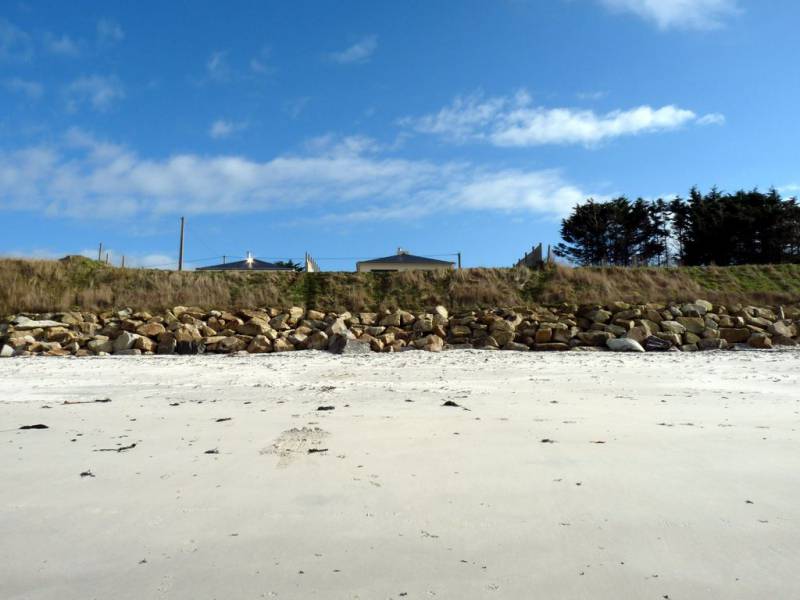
[(306, 475)]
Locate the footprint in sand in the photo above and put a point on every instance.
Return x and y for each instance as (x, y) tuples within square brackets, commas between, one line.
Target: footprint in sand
[(295, 443)]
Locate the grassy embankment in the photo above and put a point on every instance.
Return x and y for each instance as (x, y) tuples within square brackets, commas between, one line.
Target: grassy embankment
[(38, 285)]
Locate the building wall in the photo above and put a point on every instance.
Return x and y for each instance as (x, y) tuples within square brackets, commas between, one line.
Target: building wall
[(366, 267)]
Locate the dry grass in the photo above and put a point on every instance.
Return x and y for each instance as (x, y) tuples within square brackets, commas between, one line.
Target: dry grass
[(42, 286)]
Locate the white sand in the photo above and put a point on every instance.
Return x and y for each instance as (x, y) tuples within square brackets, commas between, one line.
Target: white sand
[(411, 497)]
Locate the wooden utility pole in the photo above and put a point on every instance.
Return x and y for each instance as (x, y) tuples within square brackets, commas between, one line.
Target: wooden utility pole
[(123, 261), (100, 252), (180, 250), (107, 257), (459, 261)]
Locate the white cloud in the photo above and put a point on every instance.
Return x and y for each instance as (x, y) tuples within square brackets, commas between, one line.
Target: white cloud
[(685, 14), (15, 44), (341, 178), (789, 190), (217, 67), (295, 107), (222, 128), (61, 45), (712, 119), (109, 32), (515, 121), (32, 89), (359, 52), (260, 63), (96, 91)]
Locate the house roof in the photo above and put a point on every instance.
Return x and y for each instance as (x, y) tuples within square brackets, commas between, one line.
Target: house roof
[(244, 265), (408, 259)]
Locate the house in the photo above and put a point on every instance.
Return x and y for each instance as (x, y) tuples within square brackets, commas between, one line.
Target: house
[(402, 261), (248, 264)]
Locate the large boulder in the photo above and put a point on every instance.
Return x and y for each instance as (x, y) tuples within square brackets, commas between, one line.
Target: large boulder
[(343, 344), (259, 344), (734, 335), (317, 341), (672, 327), (694, 310), (657, 344), (6, 351), (282, 345), (100, 344), (435, 344), (339, 327), (253, 327), (639, 333), (124, 341), (704, 304), (759, 340), (24, 323), (145, 344), (783, 328), (516, 346), (599, 316), (315, 315), (460, 331), (782, 340), (695, 325), (712, 344), (231, 344), (151, 329), (595, 338), (186, 347), (503, 337), (187, 333), (624, 345), (552, 347), (166, 344)]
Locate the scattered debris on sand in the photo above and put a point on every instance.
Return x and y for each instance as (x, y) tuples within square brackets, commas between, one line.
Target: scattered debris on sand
[(97, 401), (120, 449)]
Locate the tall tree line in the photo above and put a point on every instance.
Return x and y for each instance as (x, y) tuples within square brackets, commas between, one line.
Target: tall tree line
[(745, 227)]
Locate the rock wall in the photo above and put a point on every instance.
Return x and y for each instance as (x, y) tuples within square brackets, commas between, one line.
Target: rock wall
[(185, 330)]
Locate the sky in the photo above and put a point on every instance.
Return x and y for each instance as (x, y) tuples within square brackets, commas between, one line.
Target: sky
[(348, 129)]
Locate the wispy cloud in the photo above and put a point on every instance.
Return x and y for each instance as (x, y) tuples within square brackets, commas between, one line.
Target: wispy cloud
[(217, 67), (516, 121), (260, 63), (109, 32), (790, 189), (96, 91), (16, 45), (359, 52), (222, 128), (32, 89), (340, 178), (61, 45), (295, 107), (683, 14), (598, 95), (712, 119)]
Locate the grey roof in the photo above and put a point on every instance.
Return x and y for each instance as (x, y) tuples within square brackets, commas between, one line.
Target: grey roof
[(408, 258), (243, 265)]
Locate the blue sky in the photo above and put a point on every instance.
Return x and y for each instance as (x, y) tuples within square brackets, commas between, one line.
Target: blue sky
[(348, 129)]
